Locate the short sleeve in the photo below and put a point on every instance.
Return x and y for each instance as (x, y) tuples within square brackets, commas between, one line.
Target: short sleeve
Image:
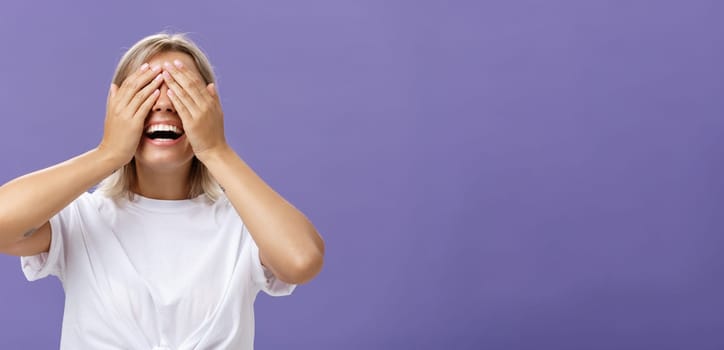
[(262, 276), (53, 262)]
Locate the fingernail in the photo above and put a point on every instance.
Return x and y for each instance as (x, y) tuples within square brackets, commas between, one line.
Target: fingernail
[(156, 92), (158, 77), (156, 68), (144, 67), (165, 74), (166, 64), (178, 63), (169, 92)]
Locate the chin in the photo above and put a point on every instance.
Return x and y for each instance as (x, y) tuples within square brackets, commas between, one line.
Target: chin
[(163, 162), (162, 158)]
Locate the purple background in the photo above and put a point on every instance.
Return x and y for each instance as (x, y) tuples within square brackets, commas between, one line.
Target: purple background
[(486, 174)]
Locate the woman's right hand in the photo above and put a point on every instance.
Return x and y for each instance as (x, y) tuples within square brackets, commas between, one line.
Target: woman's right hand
[(126, 111)]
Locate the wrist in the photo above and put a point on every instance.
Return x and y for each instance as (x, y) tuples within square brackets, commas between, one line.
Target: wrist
[(211, 155), (112, 159)]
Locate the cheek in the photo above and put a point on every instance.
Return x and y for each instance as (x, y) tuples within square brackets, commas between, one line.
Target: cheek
[(187, 147)]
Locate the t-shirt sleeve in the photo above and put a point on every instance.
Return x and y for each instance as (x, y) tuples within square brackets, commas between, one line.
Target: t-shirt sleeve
[(262, 276), (53, 262)]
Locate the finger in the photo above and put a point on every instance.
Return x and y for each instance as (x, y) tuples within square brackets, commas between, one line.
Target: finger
[(141, 96), (135, 82), (181, 93), (132, 76), (111, 93), (212, 91), (142, 111), (189, 80), (181, 109), (214, 95)]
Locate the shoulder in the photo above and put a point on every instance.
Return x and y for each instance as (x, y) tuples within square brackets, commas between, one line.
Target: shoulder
[(94, 203), (86, 201), (224, 210)]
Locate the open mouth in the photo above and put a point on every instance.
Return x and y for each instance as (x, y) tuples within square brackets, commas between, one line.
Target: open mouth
[(163, 132)]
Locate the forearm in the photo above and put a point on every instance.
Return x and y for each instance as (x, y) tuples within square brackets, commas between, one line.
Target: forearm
[(29, 201), (287, 240)]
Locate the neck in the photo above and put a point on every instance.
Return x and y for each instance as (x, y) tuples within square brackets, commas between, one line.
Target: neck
[(165, 184)]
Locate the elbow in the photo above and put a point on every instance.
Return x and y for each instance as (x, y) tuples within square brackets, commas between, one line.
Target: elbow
[(303, 268), (303, 272), (7, 247), (4, 241)]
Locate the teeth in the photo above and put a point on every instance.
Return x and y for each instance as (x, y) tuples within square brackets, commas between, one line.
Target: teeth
[(163, 127)]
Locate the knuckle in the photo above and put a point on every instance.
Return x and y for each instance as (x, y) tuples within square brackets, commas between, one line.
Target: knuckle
[(142, 101), (139, 98), (135, 83), (148, 89), (134, 101)]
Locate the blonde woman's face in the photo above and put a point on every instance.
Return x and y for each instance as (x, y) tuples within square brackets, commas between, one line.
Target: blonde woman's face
[(164, 145)]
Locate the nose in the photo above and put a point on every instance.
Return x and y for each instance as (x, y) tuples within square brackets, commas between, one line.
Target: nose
[(163, 102)]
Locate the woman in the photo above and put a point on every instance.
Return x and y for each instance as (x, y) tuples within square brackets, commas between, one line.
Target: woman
[(171, 249)]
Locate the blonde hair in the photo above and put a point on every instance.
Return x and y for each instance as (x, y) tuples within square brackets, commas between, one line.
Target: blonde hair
[(122, 180)]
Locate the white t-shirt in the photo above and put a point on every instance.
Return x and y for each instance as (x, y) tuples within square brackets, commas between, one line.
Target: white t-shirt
[(154, 274)]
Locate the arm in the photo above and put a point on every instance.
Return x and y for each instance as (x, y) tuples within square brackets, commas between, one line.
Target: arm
[(288, 243), (26, 206), (28, 202)]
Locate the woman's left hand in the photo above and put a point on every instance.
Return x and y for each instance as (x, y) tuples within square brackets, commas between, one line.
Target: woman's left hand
[(198, 106)]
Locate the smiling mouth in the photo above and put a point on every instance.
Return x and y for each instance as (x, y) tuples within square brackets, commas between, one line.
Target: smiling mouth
[(162, 132), (163, 135)]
